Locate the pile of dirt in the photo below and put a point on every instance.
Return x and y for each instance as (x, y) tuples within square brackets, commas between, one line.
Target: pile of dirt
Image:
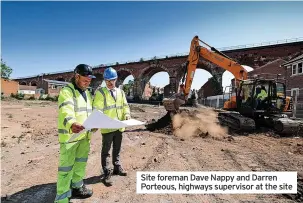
[(202, 123), (163, 125), (189, 123)]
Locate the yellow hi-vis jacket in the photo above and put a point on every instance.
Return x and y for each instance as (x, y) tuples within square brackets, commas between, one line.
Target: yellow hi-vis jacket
[(118, 109), (72, 108), (262, 95)]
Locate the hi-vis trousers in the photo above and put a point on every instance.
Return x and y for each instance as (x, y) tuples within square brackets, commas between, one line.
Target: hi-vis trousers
[(72, 166)]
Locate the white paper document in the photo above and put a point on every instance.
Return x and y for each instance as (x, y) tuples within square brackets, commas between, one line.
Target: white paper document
[(99, 120)]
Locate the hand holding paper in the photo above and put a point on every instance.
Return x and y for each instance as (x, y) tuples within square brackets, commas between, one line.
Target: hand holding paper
[(99, 120), (77, 127)]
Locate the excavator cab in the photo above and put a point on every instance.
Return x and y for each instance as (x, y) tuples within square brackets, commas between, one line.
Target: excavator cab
[(261, 97), (255, 100)]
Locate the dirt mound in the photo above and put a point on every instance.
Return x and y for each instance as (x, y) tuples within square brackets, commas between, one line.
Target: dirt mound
[(200, 123), (163, 125), (189, 123)]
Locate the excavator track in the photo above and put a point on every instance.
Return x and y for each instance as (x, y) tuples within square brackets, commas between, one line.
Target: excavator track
[(281, 124), (236, 121)]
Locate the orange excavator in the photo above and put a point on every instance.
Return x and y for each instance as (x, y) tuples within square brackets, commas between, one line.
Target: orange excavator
[(244, 110)]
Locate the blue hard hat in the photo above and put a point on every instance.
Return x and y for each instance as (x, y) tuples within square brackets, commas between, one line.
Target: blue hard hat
[(110, 74)]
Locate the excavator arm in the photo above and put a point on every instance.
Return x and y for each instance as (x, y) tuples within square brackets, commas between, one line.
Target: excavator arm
[(214, 56)]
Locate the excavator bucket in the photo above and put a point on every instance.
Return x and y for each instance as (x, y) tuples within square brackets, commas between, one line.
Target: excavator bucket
[(173, 103)]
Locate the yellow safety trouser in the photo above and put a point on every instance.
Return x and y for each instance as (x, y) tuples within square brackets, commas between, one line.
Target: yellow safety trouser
[(72, 166)]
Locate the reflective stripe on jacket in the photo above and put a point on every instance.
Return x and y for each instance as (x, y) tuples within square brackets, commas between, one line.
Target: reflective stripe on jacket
[(118, 109), (72, 108)]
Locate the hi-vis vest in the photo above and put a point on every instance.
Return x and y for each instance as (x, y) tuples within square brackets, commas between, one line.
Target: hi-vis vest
[(72, 108), (118, 109), (262, 95)]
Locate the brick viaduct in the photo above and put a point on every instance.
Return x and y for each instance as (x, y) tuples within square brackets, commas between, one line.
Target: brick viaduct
[(142, 71)]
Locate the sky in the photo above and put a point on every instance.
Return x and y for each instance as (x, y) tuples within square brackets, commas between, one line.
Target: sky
[(42, 37)]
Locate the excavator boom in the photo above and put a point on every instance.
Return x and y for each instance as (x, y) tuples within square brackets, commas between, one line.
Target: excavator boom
[(219, 59)]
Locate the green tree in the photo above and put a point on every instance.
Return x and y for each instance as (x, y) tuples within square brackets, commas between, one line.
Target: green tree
[(131, 82), (128, 86), (6, 71)]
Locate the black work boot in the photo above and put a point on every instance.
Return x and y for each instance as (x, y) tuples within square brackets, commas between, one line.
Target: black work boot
[(82, 192), (107, 178), (119, 171)]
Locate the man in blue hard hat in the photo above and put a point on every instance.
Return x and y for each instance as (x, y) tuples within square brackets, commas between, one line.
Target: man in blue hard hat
[(112, 102)]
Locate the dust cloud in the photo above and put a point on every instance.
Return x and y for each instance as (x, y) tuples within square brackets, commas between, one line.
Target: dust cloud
[(202, 123)]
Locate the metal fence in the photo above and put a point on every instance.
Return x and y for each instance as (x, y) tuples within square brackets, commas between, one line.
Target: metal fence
[(214, 101), (299, 39)]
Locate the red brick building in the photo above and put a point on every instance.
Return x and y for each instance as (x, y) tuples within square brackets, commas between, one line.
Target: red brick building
[(52, 87), (271, 68), (207, 89), (9, 87), (26, 89), (292, 71), (294, 81)]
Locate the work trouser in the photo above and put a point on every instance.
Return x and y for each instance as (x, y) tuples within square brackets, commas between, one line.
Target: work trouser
[(72, 166), (114, 138)]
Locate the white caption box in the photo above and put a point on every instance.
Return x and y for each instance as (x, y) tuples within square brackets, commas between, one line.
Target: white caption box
[(216, 182)]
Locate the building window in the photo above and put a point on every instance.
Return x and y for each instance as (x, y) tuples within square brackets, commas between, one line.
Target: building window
[(294, 69), (300, 69)]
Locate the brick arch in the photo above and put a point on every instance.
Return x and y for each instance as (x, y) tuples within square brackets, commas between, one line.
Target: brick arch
[(69, 79), (33, 83), (153, 69), (215, 72), (249, 59), (122, 75), (23, 83), (147, 73), (96, 82), (60, 79), (204, 65)]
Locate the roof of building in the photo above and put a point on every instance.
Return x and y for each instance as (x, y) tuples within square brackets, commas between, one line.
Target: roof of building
[(56, 82), (27, 87), (269, 63), (293, 60)]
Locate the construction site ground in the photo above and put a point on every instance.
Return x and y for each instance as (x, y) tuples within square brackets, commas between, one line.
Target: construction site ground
[(30, 151)]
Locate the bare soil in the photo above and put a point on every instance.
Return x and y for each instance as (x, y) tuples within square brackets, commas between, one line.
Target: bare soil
[(191, 142)]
